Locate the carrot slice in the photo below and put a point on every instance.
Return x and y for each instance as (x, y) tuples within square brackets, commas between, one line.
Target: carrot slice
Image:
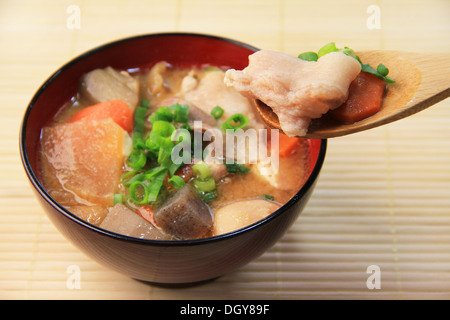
[(364, 99), (147, 212), (286, 144), (118, 110)]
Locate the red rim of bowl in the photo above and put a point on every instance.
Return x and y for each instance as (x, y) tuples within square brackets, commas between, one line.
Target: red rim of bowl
[(314, 173)]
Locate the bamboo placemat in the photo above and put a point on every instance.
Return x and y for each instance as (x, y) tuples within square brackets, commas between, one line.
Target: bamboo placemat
[(383, 198)]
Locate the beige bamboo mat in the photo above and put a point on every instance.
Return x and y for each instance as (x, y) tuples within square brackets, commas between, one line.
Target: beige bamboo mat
[(383, 197)]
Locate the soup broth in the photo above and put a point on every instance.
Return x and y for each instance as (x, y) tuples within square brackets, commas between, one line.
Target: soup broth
[(123, 180)]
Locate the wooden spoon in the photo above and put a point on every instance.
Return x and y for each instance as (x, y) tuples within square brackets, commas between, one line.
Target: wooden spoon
[(421, 81)]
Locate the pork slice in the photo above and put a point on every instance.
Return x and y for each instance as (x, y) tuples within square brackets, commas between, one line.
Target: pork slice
[(211, 91), (102, 85), (122, 220), (184, 215), (296, 90)]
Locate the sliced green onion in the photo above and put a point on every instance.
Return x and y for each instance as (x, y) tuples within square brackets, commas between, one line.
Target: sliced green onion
[(138, 130), (153, 172), (127, 174), (209, 196), (165, 152), (369, 69), (139, 199), (180, 135), (185, 126), (207, 185), (308, 56), (237, 168), (181, 112), (118, 198), (330, 47), (235, 122), (349, 52), (217, 112), (173, 168), (382, 70), (269, 197), (201, 170), (156, 185), (162, 114), (137, 177), (177, 182), (160, 130), (136, 159)]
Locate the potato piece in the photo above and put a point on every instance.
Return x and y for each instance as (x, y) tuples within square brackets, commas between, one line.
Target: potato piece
[(184, 215), (240, 214), (122, 220), (102, 85)]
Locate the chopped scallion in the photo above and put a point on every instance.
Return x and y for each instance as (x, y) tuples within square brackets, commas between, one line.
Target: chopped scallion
[(237, 168), (118, 198), (217, 112), (138, 130), (381, 72), (152, 172), (136, 159), (141, 198), (207, 185), (137, 177), (165, 152), (201, 170), (181, 112), (235, 122), (173, 168), (156, 185), (180, 135), (329, 47), (177, 182), (162, 114), (145, 103), (308, 56), (209, 196)]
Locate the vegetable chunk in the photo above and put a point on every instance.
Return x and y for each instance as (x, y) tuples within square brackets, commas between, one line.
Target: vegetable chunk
[(82, 161), (185, 215), (114, 109), (101, 85), (240, 214), (122, 220), (365, 98)]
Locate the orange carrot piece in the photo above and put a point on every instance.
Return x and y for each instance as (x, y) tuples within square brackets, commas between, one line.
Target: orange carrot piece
[(365, 98), (147, 212), (286, 144), (118, 110)]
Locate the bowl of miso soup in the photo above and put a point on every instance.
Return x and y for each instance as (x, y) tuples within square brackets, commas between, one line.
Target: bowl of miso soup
[(147, 162)]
